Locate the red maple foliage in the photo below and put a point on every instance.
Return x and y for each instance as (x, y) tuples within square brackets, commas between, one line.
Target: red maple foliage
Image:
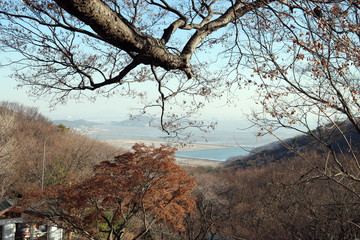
[(124, 197)]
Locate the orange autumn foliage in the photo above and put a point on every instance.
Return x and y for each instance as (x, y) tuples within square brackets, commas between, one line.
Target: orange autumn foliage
[(127, 195)]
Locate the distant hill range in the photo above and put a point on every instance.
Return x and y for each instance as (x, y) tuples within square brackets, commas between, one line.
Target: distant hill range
[(278, 152), (77, 123), (136, 122)]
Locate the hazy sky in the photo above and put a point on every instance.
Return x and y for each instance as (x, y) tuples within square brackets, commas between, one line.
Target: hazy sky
[(229, 117), (113, 108), (107, 109)]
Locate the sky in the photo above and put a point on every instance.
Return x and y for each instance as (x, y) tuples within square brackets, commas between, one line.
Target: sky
[(117, 108), (108, 109), (230, 119)]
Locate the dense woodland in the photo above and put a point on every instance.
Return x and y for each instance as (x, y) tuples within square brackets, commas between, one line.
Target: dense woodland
[(283, 198), (278, 201)]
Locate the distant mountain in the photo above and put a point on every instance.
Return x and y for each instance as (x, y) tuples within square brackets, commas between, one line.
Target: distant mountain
[(142, 121), (77, 123), (277, 152)]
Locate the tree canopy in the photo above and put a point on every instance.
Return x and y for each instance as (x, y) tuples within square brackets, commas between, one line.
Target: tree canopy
[(191, 51)]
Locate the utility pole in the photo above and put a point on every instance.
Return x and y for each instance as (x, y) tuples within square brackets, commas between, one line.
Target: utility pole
[(43, 169)]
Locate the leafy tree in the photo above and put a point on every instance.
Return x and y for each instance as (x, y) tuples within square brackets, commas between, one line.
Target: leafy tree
[(123, 198), (63, 128)]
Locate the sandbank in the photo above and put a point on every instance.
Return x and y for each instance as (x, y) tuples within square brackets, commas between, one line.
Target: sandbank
[(197, 162), (128, 143)]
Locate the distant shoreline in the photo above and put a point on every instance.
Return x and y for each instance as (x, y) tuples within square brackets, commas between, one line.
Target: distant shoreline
[(128, 143), (184, 161)]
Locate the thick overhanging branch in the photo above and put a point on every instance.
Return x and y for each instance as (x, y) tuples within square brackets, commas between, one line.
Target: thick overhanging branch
[(235, 12), (117, 31), (171, 29)]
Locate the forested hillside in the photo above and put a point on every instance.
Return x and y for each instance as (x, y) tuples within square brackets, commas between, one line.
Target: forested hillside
[(27, 138), (293, 198), (343, 139), (300, 188)]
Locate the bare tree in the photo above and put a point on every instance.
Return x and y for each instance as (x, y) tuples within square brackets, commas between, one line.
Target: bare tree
[(7, 147), (69, 155), (307, 77), (114, 47)]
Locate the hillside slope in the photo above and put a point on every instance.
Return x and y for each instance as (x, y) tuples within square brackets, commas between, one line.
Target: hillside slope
[(319, 141), (27, 139)]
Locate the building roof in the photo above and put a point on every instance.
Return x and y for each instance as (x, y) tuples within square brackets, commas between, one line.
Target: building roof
[(5, 205)]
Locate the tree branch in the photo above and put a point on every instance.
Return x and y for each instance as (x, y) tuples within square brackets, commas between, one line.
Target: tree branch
[(118, 78), (119, 33)]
